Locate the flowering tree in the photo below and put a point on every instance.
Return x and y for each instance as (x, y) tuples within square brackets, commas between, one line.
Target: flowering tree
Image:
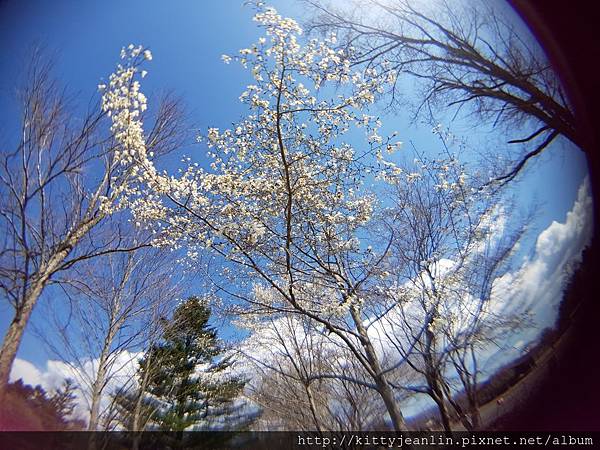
[(284, 202), (284, 206), (57, 185)]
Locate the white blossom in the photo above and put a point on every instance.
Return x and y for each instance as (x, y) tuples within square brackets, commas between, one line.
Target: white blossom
[(282, 167)]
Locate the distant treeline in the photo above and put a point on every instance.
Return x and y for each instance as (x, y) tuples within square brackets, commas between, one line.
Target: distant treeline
[(578, 289), (33, 409)]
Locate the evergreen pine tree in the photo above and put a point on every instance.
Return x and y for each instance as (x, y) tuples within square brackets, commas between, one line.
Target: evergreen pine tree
[(184, 380), (35, 409), (64, 399), (126, 407)]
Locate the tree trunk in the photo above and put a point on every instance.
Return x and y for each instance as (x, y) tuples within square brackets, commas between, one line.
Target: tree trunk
[(438, 398), (433, 375), (385, 391), (136, 423), (137, 412), (475, 419), (465, 418), (100, 380), (383, 386), (14, 334), (136, 419), (313, 406), (474, 411), (97, 393), (97, 388)]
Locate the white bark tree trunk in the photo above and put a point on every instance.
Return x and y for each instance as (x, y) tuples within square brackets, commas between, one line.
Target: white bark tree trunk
[(14, 334)]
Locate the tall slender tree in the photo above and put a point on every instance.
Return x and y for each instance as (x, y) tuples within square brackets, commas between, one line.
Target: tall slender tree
[(58, 184)]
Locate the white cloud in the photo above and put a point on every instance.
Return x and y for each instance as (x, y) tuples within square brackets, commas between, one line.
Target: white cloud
[(538, 284), (26, 371), (122, 373)]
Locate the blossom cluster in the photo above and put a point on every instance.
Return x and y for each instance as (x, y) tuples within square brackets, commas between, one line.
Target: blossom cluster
[(284, 191), (123, 101)]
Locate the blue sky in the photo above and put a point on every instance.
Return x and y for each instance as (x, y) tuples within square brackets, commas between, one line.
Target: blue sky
[(187, 39)]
